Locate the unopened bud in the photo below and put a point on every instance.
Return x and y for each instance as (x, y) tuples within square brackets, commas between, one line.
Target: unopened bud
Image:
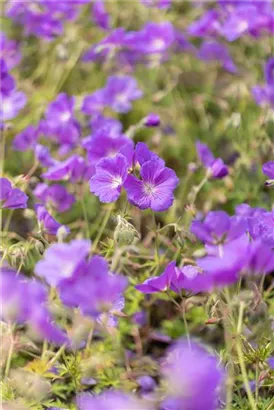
[(125, 233)]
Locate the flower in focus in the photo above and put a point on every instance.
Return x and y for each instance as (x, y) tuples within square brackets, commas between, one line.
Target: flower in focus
[(155, 189), (160, 283), (12, 198), (24, 301), (47, 223), (109, 178), (194, 377), (216, 166), (61, 259)]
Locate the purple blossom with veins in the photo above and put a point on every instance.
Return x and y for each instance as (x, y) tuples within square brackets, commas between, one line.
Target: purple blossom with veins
[(11, 198), (101, 146), (114, 400), (211, 50), (60, 121), (47, 223), (160, 283), (12, 104), (120, 91), (73, 169), (55, 195), (99, 15), (265, 94), (92, 287), (9, 51), (26, 139), (143, 154), (215, 166), (110, 175), (24, 301), (194, 376), (218, 227), (61, 260), (155, 188)]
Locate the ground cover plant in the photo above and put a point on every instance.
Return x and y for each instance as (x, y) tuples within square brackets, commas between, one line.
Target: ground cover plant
[(137, 229)]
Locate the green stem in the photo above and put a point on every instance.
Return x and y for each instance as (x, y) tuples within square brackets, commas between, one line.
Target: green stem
[(104, 223), (9, 358), (85, 216), (182, 310)]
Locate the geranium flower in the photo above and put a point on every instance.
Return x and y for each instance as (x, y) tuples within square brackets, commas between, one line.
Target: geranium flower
[(12, 198)]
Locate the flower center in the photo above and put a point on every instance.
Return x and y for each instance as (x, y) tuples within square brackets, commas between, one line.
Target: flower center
[(149, 188), (65, 116), (116, 181)]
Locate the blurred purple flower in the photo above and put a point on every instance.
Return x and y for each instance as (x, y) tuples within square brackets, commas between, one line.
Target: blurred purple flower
[(261, 226), (113, 400), (12, 104), (265, 94), (216, 166), (218, 227), (109, 178), (12, 198), (73, 169), (47, 223), (7, 81), (120, 91), (102, 126), (194, 376), (9, 51), (26, 139), (61, 260), (207, 25), (214, 51), (99, 15), (55, 195), (161, 4), (92, 287), (152, 120), (94, 103), (155, 189), (160, 283), (268, 169), (24, 301), (43, 156)]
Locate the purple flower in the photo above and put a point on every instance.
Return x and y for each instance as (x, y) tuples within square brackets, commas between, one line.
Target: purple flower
[(218, 227), (207, 25), (47, 223), (265, 94), (216, 166), (7, 81), (161, 4), (9, 51), (12, 198), (102, 126), (268, 169), (94, 103), (155, 189), (24, 301), (110, 44), (113, 400), (55, 195), (109, 178), (99, 147), (72, 168), (271, 362), (61, 260), (12, 104), (147, 383), (142, 154), (92, 287), (60, 121), (193, 375), (261, 258), (214, 51), (26, 139), (269, 71), (261, 226), (43, 156), (120, 91), (152, 120), (99, 15), (160, 283)]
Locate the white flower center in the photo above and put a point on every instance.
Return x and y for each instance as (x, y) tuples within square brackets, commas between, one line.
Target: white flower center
[(65, 116), (158, 44), (116, 181), (6, 106), (149, 188)]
